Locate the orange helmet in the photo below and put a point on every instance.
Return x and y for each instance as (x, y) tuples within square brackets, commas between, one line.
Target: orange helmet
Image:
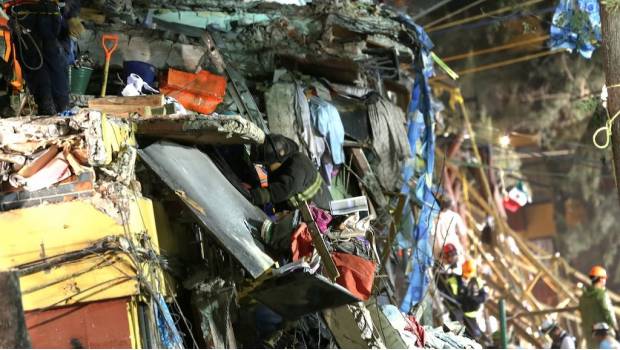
[(598, 271), (469, 268), (449, 249)]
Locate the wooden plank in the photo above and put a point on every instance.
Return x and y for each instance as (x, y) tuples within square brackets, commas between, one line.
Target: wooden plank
[(319, 244), (146, 100), (13, 333)]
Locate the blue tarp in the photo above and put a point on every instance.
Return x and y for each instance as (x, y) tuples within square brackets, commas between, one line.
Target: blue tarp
[(168, 332), (576, 28), (421, 122)]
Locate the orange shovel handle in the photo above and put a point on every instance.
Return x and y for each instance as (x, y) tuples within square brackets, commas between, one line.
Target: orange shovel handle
[(105, 40)]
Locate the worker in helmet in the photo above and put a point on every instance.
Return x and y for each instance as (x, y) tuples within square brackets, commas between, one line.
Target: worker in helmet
[(41, 31), (595, 305), (601, 333), (450, 282), (292, 176), (472, 297), (449, 228), (561, 339)]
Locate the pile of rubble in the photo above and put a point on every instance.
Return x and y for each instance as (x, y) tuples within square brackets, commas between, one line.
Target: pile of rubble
[(170, 189)]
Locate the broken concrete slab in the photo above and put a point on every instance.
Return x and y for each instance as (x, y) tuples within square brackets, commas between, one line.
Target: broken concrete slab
[(200, 129)]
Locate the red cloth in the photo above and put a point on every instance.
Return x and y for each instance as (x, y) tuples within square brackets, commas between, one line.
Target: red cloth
[(301, 242), (356, 274), (416, 328)]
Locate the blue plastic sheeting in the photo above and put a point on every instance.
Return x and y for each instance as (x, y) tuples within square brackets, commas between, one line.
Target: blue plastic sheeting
[(326, 120), (576, 28), (421, 127), (168, 332)]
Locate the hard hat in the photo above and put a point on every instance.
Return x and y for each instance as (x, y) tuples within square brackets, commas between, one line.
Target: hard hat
[(449, 249), (469, 268), (274, 149), (598, 271), (547, 326), (601, 326)]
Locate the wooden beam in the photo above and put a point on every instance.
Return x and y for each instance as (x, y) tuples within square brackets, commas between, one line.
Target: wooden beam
[(121, 105), (523, 247), (13, 332), (319, 244)]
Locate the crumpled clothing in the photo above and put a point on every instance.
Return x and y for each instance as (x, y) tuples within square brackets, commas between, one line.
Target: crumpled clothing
[(356, 246), (136, 86), (569, 31), (321, 217), (416, 328), (399, 322), (326, 119), (389, 140), (356, 274), (314, 143), (301, 242)]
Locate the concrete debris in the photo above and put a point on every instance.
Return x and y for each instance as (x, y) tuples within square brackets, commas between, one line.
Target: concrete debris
[(201, 129), (192, 193)]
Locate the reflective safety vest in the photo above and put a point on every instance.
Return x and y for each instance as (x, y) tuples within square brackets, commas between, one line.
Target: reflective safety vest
[(473, 314), (17, 83), (308, 193)]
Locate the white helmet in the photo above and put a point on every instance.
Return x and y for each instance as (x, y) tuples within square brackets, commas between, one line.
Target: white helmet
[(601, 326), (547, 326)]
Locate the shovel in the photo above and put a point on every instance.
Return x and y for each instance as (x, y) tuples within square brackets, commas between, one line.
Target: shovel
[(109, 43)]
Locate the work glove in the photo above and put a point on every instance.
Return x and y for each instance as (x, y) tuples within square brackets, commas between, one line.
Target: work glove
[(75, 27)]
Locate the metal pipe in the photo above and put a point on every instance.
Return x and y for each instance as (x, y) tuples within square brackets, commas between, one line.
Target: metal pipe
[(502, 320)]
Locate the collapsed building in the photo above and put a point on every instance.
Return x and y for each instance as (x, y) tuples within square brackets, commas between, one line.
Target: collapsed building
[(129, 222)]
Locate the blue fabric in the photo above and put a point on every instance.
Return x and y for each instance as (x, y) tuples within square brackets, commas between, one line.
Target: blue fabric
[(421, 116), (608, 344), (170, 337), (326, 120), (576, 28)]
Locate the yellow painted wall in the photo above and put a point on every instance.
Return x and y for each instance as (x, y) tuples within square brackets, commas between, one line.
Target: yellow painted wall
[(31, 234)]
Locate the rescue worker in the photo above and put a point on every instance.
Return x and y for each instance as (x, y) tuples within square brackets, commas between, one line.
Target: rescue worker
[(561, 339), (450, 283), (449, 228), (292, 176), (472, 297), (595, 305), (601, 334), (39, 28)]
